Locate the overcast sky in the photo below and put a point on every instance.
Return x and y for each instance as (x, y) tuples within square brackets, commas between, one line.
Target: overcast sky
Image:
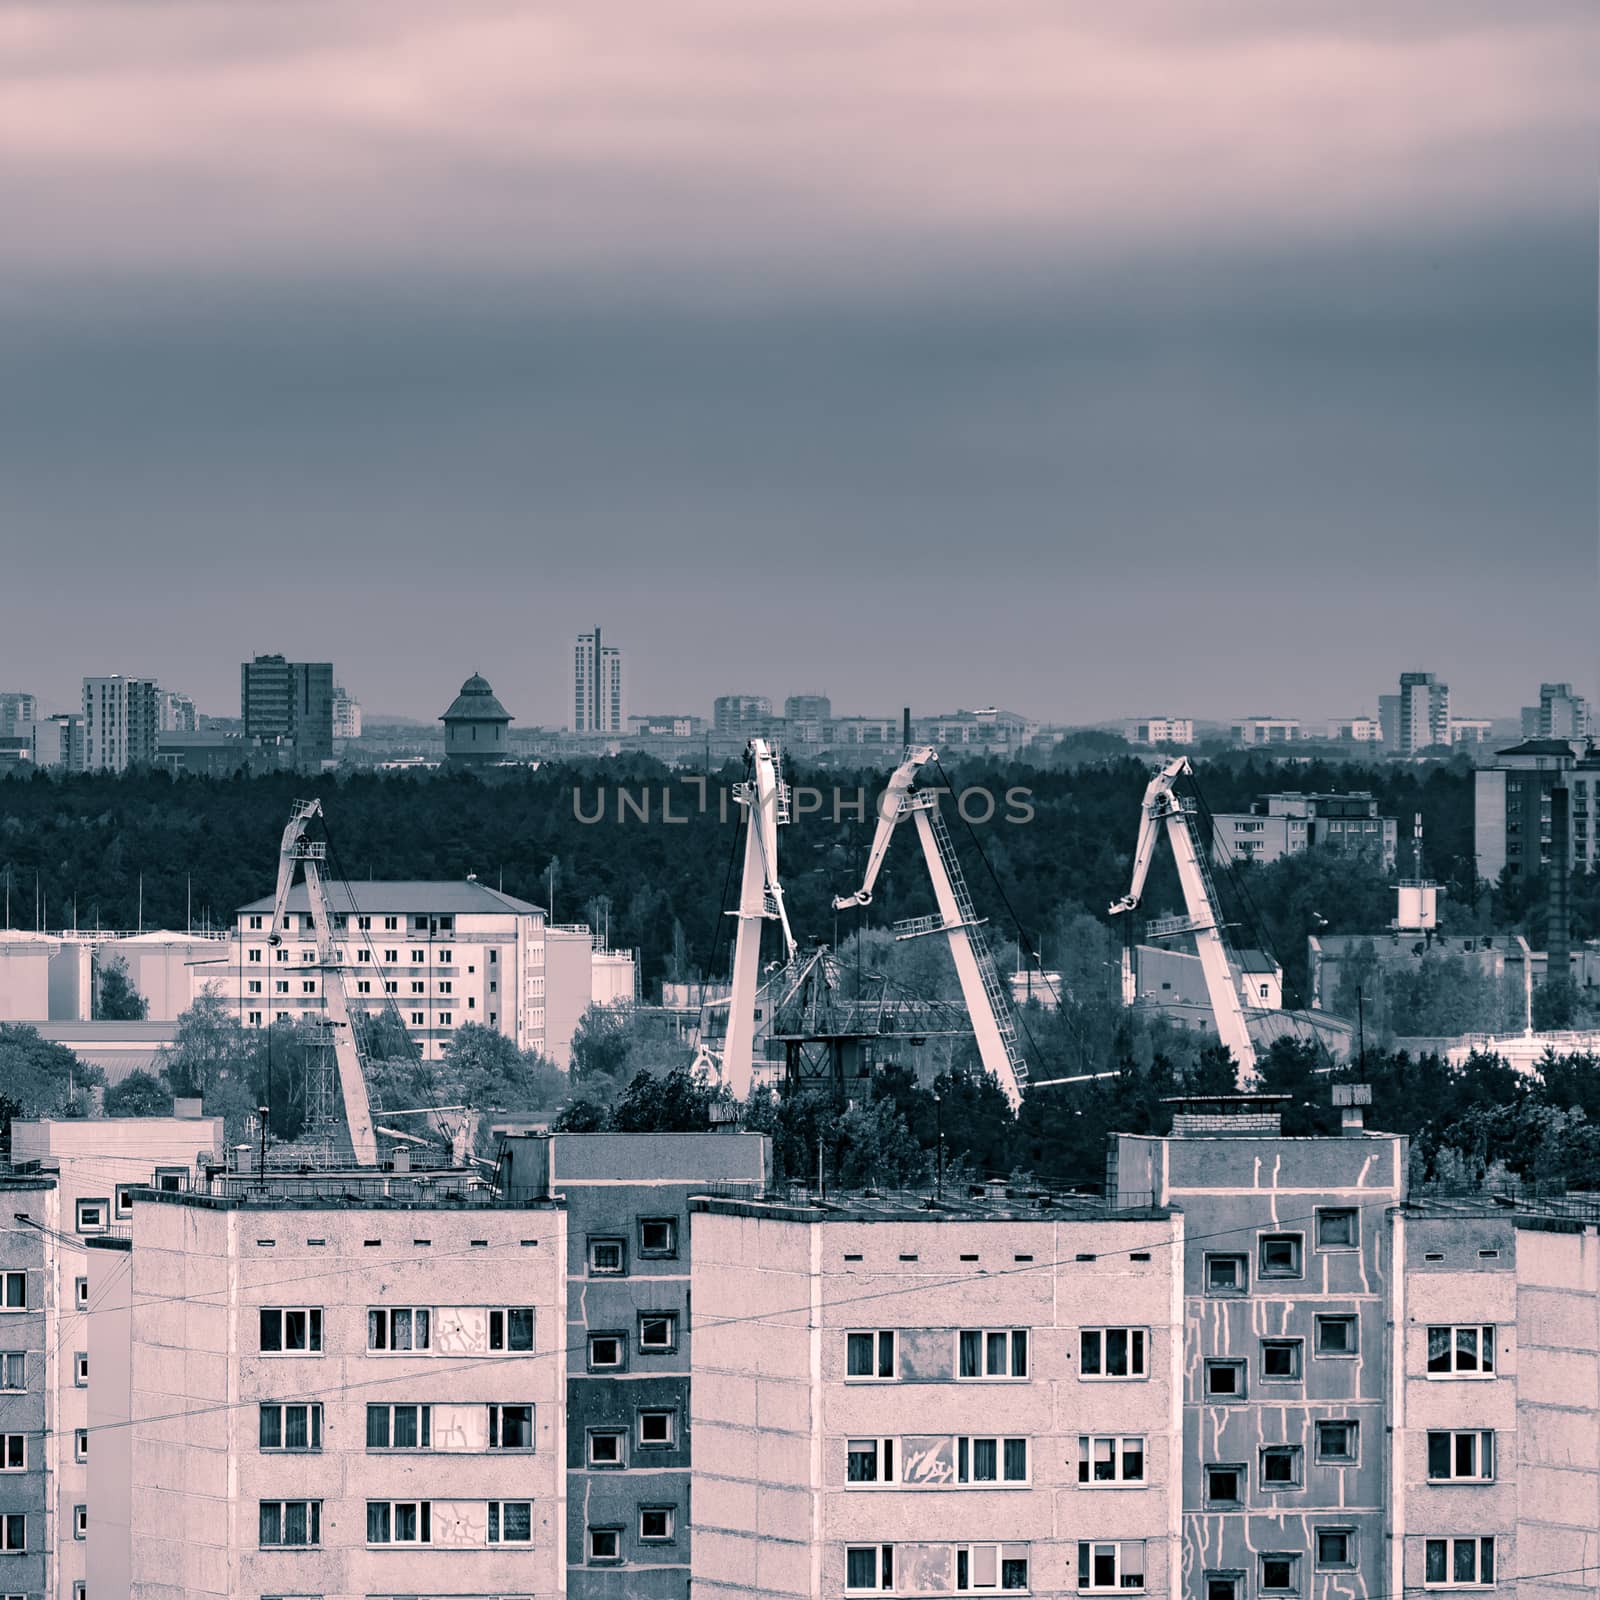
[(1187, 356)]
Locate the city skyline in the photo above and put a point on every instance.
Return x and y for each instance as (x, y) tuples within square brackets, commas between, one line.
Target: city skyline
[(1127, 351)]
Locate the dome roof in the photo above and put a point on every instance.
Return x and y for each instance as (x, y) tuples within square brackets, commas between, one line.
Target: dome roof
[(476, 703)]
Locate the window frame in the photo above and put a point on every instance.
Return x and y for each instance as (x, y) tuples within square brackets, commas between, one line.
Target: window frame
[(670, 1512), (670, 1413), (1486, 1333), (1211, 1500), (9, 1279), (13, 1445), (389, 1409), (1350, 1213), (496, 1514), (966, 1460), (497, 1427), (882, 1565), (999, 1547), (1326, 1458), (1336, 1531), (314, 1331), (1214, 1259), (20, 1386), (594, 1464), (671, 1345), (885, 1460), (13, 1533), (1213, 1364), (1118, 1586), (313, 1510), (875, 1349), (1088, 1460), (1485, 1454), (620, 1338), (1011, 1339), (1137, 1344), (313, 1410), (97, 1203), (386, 1317), (1292, 1557), (505, 1314), (1296, 1348), (666, 1252), (424, 1524), (1296, 1243), (1294, 1454), (593, 1557), (1480, 1542), (601, 1242), (1327, 1319)]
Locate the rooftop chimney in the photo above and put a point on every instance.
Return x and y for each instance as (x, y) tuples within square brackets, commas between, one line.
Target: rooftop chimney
[(1351, 1099)]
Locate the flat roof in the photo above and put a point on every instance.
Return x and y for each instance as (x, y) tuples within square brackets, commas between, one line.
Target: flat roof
[(363, 1190), (462, 897), (909, 1205)]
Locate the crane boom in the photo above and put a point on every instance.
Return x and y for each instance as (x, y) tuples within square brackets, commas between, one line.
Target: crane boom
[(987, 1006), (765, 797), (299, 851), (1162, 806)]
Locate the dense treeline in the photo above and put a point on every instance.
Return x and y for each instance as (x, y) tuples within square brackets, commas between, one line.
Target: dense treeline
[(596, 842)]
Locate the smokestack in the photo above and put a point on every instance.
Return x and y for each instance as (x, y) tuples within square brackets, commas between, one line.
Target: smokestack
[(1558, 930)]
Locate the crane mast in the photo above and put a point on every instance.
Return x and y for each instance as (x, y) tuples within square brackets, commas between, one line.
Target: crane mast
[(298, 851), (765, 798), (1160, 808), (986, 1001)]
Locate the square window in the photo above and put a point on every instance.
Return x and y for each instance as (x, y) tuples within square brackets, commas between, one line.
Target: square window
[(94, 1216), (1337, 1228), (1280, 1255), (1280, 1466), (605, 1546), (1224, 1585), (1227, 1274), (1337, 1336), (1225, 1380), (607, 1258), (1118, 1566), (1280, 1573), (658, 1332), (510, 1522), (1280, 1360), (1225, 1485), (658, 1429), (658, 1236), (869, 1461), (511, 1427), (657, 1524), (607, 1352), (869, 1357), (608, 1447), (868, 1568), (1337, 1442)]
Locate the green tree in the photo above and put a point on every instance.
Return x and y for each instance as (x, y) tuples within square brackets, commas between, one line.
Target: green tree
[(208, 1044), (140, 1094), (44, 1079), (117, 999), (678, 1101)]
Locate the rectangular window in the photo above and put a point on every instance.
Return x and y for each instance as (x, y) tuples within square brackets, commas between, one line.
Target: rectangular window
[(401, 1427), (1280, 1360), (1225, 1380), (418, 957), (869, 1461), (1458, 1563), (511, 1328), (986, 1460), (1337, 1336), (1337, 1228), (658, 1236), (1112, 1353), (608, 1447), (392, 1522), (1461, 1456), (290, 1427), (1280, 1573), (607, 1352), (1336, 1549), (13, 1291), (658, 1331), (290, 1524), (398, 1330), (658, 1429), (511, 1427), (1227, 1274), (80, 1293), (1224, 1586), (985, 1353), (1280, 1466), (80, 1522), (13, 1371), (1280, 1255), (93, 1216), (1110, 1566), (13, 1534), (80, 1444), (869, 1568), (13, 1452), (1110, 1458), (869, 1357), (985, 1568), (1338, 1442), (1224, 1485), (657, 1524), (607, 1258), (291, 1330), (510, 1522), (605, 1546), (1461, 1350)]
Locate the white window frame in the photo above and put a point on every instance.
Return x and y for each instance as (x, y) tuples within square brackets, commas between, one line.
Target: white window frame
[(1349, 1564), (80, 1444), (100, 1207), (594, 1557), (620, 1340), (1010, 1338), (620, 1435), (1351, 1460), (313, 1344), (497, 1522), (497, 1411), (1216, 1258), (1484, 1454), (670, 1513), (1137, 1353), (1298, 1347), (424, 1525), (1345, 1318), (13, 1522), (313, 1411), (1089, 1445), (1118, 1546), (80, 1522), (603, 1242), (876, 1338), (1296, 1456), (504, 1314), (666, 1252), (1485, 1333), (965, 1451), (1450, 1542), (313, 1539), (1352, 1213), (1210, 1500), (1297, 1244), (882, 1567), (13, 1452), (20, 1385), (424, 1413), (671, 1440), (1224, 1363), (13, 1284), (420, 1318), (1292, 1557), (972, 1585), (671, 1318), (885, 1460)]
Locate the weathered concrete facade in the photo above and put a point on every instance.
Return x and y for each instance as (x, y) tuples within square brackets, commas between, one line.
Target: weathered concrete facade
[(1288, 1281), (28, 1289), (628, 1400), (888, 1400), (346, 1397)]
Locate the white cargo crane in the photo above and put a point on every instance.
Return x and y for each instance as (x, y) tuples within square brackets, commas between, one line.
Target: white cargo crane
[(298, 850), (987, 1005), (765, 797), (1163, 805)]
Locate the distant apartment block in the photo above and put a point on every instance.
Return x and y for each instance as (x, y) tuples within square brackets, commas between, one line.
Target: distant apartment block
[(18, 713), (1471, 730), (176, 712), (59, 741), (807, 708), (1266, 730), (1280, 825), (1513, 809), (1355, 730), (599, 697), (735, 714), (346, 714), (666, 725), (894, 1400), (1418, 717), (1159, 730), (121, 723), (289, 702), (1560, 714)]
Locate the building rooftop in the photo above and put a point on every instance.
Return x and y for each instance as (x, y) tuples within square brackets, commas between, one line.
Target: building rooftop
[(365, 1189), (452, 898), (981, 1203), (476, 703)]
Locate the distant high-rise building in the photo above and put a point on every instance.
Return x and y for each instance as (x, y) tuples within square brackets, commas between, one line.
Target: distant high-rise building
[(289, 700), (599, 704), (17, 713), (346, 714), (121, 718), (58, 741), (1422, 713), (807, 708), (732, 714), (1560, 714), (177, 712)]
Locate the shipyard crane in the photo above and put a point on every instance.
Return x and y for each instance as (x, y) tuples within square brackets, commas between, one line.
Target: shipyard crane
[(1162, 804), (765, 798), (987, 1004), (299, 851)]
